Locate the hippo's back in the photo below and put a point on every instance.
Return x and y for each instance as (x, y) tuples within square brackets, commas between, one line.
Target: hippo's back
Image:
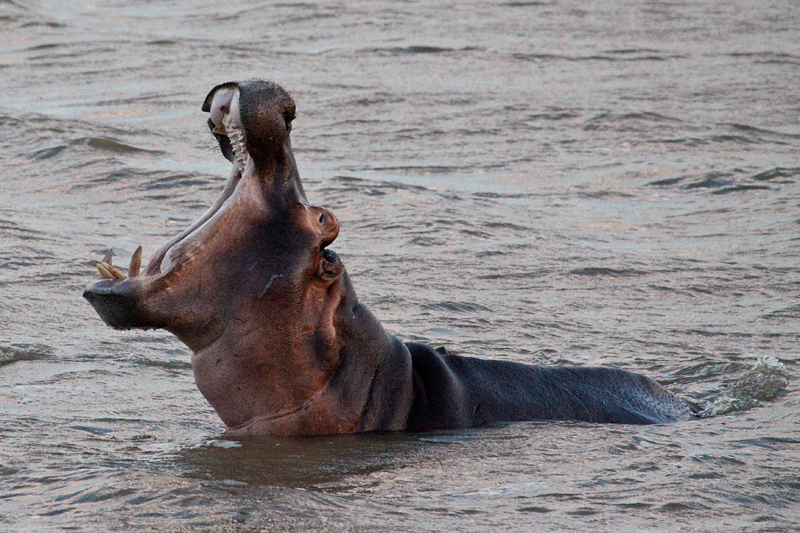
[(453, 391)]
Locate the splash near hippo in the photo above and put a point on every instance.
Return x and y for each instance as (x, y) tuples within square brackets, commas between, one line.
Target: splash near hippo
[(281, 344)]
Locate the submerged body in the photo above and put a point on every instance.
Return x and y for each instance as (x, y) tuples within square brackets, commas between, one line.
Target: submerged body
[(281, 344)]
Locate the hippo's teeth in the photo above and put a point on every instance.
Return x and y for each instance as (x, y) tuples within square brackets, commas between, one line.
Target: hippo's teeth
[(136, 262), (107, 257), (113, 271), (104, 273), (237, 139)]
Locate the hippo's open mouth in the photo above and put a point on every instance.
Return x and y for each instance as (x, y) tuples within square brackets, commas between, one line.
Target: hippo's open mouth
[(226, 125), (262, 199), (117, 291)]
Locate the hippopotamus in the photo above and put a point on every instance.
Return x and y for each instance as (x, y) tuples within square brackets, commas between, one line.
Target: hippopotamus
[(281, 344)]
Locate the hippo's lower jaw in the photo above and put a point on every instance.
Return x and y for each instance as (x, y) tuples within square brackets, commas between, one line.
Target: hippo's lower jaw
[(138, 301), (117, 298), (116, 302)]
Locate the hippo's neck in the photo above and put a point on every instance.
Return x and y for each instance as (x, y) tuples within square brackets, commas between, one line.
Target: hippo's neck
[(338, 375), (386, 400)]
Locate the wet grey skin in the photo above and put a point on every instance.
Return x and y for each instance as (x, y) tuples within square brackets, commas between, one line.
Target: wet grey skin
[(281, 344)]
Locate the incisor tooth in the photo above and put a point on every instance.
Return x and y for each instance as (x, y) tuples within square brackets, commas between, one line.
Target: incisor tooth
[(107, 257), (113, 270), (136, 262), (104, 273)]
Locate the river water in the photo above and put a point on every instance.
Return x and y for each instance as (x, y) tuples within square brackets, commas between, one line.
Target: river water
[(551, 182)]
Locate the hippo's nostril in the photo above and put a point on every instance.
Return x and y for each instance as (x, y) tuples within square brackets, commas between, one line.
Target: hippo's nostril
[(330, 256)]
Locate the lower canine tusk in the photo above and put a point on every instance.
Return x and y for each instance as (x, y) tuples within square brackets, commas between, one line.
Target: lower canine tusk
[(136, 262), (113, 271), (104, 273)]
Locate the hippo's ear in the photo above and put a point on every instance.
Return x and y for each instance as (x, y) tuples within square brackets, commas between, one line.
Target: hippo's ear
[(330, 267)]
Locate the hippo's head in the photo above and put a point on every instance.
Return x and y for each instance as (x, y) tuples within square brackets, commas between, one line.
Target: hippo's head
[(255, 261)]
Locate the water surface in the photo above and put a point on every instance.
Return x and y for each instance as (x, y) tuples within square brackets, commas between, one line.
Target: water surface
[(544, 182)]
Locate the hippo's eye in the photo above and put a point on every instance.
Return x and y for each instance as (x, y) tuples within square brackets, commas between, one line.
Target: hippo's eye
[(322, 219), (288, 118)]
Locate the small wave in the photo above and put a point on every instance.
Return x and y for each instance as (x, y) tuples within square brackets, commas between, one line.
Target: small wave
[(507, 226), (14, 3), (667, 182), (712, 180), (491, 195), (110, 145), (728, 138), (22, 352), (511, 276), (44, 24), (648, 115), (46, 46), (371, 186), (781, 58), (605, 272), (167, 180), (721, 182), (604, 194), (418, 169), (631, 121), (743, 188), (792, 311), (171, 366), (526, 4), (47, 153), (9, 227), (554, 115), (613, 56), (762, 382), (51, 149), (460, 307), (761, 132), (778, 174), (421, 49), (424, 240)]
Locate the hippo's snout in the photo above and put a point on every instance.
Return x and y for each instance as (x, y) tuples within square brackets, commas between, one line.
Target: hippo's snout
[(118, 303)]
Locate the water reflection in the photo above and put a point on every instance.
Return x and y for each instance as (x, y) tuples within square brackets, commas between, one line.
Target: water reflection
[(301, 462)]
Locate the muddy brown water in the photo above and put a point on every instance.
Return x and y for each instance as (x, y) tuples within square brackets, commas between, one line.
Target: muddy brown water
[(612, 183)]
